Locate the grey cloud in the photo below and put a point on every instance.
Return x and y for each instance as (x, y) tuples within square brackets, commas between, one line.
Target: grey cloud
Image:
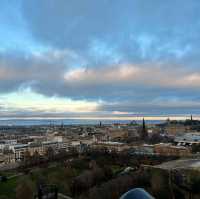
[(141, 89), (50, 73), (18, 69), (122, 25), (159, 39)]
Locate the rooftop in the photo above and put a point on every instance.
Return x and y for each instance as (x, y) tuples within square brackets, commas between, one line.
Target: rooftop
[(180, 164), (188, 137)]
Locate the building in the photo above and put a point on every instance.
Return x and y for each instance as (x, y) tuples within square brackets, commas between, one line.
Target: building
[(117, 134), (188, 139), (175, 129), (171, 150), (18, 151), (111, 146), (144, 149)]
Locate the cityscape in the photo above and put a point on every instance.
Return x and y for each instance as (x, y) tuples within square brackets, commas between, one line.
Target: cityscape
[(83, 161), (99, 99)]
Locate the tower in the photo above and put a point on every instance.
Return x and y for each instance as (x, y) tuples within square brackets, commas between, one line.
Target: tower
[(143, 125), (143, 133)]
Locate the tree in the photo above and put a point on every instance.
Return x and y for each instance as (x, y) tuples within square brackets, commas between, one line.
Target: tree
[(4, 197), (93, 164), (50, 153), (24, 190), (196, 148), (87, 179), (160, 184), (194, 182), (36, 158), (27, 158), (62, 154)]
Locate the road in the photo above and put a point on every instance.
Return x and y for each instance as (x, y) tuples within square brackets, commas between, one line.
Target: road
[(14, 176), (62, 196)]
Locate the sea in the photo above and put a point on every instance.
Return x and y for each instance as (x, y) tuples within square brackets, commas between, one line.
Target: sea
[(40, 122)]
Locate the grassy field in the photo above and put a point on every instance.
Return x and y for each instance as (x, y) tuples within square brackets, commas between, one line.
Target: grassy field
[(58, 175), (8, 173), (7, 189)]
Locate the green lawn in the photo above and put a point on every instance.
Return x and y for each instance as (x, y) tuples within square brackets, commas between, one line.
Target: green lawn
[(54, 175), (116, 169), (8, 188), (58, 175), (8, 173)]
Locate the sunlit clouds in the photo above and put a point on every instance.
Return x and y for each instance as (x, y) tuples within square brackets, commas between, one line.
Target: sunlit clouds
[(152, 74), (30, 101)]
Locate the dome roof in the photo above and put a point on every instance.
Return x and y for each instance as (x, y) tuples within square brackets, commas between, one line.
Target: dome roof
[(137, 193)]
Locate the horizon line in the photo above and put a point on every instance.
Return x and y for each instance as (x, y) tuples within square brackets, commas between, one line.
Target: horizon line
[(155, 118)]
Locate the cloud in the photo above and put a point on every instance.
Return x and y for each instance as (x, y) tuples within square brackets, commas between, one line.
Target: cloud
[(130, 30), (127, 56), (30, 101), (18, 69), (52, 73), (120, 90), (52, 69), (107, 74), (143, 75)]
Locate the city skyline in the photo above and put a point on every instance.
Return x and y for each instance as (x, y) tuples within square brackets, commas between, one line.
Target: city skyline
[(99, 59)]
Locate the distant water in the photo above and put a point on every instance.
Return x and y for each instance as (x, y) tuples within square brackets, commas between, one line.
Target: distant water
[(37, 122)]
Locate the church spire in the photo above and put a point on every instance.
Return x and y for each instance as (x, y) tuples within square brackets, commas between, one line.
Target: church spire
[(144, 133), (143, 124)]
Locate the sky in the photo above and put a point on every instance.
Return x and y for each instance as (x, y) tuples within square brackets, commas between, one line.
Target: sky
[(91, 58)]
